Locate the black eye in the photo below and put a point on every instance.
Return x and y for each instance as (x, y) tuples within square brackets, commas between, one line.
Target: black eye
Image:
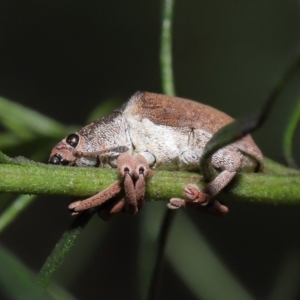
[(72, 139)]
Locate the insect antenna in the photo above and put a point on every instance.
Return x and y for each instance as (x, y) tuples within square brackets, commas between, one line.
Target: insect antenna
[(107, 152)]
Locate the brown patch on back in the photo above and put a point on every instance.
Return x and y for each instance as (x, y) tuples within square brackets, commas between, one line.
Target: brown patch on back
[(177, 112)]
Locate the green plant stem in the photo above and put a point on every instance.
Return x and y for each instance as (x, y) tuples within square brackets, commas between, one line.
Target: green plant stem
[(277, 184), (166, 48), (15, 208), (62, 249), (168, 87)]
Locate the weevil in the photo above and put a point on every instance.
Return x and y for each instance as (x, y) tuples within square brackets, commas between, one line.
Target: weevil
[(152, 131)]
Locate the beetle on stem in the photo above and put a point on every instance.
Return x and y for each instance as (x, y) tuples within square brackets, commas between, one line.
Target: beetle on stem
[(155, 131)]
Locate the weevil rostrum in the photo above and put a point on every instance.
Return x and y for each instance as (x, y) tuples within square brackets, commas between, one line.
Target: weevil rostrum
[(152, 131)]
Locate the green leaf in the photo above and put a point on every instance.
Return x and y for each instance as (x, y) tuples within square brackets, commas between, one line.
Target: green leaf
[(62, 249), (104, 109), (199, 266), (246, 124), (288, 137), (17, 281), (25, 122), (14, 209)]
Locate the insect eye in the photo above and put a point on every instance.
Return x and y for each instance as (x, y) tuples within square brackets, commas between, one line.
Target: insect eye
[(72, 139)]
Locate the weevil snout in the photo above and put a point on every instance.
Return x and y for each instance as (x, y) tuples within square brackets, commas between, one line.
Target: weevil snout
[(57, 159), (61, 154)]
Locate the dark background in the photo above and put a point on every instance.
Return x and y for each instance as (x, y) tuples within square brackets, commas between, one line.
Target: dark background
[(63, 58)]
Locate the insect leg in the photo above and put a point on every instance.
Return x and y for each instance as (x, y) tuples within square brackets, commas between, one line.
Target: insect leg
[(97, 199), (134, 170)]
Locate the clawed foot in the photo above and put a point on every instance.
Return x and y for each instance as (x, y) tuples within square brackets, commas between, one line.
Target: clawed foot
[(124, 195), (199, 200)]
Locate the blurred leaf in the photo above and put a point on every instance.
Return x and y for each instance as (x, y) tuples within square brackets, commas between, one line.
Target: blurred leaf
[(59, 293), (249, 123), (62, 248), (105, 108), (15, 208), (190, 254), (8, 140), (4, 199), (86, 248), (148, 233), (25, 122), (288, 137), (286, 287), (17, 281), (198, 265)]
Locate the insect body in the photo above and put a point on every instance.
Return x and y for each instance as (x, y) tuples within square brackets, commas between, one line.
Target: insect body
[(156, 131)]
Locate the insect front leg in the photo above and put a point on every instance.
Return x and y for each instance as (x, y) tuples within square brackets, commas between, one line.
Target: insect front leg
[(96, 200), (126, 194), (134, 170)]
